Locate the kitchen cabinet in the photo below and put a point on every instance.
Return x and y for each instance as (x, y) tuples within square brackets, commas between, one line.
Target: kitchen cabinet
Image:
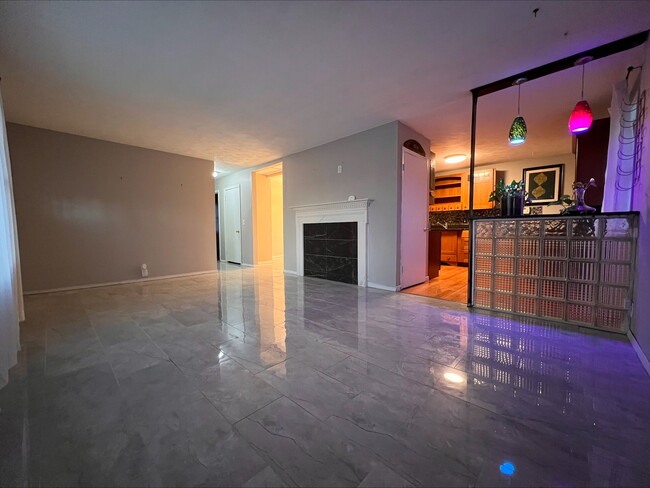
[(452, 191), (463, 247), (454, 246), (484, 180), (449, 246), (434, 254)]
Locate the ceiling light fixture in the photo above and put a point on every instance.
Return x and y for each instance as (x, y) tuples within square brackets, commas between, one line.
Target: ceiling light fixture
[(581, 117), (518, 129), (214, 174), (455, 158)]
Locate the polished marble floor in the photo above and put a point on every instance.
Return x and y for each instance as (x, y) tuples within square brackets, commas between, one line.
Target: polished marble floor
[(248, 377)]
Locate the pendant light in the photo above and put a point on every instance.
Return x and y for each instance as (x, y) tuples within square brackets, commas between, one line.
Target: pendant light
[(581, 117), (518, 130)]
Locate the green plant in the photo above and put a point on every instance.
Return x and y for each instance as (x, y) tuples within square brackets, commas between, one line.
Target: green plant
[(501, 190), (564, 200)]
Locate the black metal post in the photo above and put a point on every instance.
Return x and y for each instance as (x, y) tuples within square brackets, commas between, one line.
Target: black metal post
[(472, 164)]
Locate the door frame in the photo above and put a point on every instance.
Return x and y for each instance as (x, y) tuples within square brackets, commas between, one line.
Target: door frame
[(241, 238), (401, 187)]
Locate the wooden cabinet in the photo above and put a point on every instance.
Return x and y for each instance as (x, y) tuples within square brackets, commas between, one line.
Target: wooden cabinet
[(452, 191), (484, 180), (449, 246), (454, 246), (449, 192), (463, 247)]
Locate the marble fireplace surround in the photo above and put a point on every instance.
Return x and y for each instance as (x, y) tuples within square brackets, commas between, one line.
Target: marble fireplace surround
[(346, 211)]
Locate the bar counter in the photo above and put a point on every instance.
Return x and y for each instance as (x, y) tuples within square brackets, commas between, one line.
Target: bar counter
[(569, 268)]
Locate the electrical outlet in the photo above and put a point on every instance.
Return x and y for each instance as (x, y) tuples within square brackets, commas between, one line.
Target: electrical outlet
[(340, 169)]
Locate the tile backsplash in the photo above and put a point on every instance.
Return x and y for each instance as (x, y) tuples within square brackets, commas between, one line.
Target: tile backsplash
[(459, 217)]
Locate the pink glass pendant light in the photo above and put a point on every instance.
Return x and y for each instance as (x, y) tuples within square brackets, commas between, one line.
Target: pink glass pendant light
[(581, 117)]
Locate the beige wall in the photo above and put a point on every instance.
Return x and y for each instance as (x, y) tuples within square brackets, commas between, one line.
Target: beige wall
[(92, 211), (276, 215)]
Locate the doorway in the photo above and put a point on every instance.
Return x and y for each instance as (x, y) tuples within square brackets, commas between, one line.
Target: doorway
[(268, 218), (443, 264), (232, 224), (414, 219)]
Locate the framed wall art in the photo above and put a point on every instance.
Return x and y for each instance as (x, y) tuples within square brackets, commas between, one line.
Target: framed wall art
[(543, 184)]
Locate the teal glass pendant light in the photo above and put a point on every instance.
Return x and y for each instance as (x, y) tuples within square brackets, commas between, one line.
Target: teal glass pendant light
[(518, 129)]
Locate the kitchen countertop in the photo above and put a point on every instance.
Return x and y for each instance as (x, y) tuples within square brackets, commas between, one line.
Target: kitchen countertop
[(452, 227)]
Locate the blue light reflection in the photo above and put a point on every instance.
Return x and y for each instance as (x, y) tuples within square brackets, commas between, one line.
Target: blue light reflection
[(507, 468)]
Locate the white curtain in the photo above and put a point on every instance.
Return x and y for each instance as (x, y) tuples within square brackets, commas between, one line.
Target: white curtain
[(622, 158), (11, 293)]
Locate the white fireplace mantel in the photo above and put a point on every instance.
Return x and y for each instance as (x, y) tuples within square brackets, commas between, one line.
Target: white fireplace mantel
[(346, 211)]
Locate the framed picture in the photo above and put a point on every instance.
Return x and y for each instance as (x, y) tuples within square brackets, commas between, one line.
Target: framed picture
[(543, 184)]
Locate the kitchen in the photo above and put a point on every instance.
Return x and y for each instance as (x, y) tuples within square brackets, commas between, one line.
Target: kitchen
[(551, 151)]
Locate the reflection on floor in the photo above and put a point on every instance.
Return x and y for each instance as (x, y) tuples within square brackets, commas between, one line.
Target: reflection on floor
[(247, 376), (450, 285)]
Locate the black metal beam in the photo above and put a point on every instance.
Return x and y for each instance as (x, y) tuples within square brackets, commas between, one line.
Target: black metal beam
[(472, 166), (562, 64)]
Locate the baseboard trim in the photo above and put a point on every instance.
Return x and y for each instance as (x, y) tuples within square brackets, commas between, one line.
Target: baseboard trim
[(639, 352), (383, 287), (246, 265), (264, 262), (290, 272), (114, 283)]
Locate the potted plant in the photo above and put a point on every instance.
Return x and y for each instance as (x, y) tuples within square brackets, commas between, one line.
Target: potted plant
[(510, 198)]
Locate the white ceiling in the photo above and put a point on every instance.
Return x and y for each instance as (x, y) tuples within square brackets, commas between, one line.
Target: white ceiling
[(249, 82), (546, 105)]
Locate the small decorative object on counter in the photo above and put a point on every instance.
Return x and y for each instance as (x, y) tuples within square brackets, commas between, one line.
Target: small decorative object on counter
[(579, 206), (510, 197)]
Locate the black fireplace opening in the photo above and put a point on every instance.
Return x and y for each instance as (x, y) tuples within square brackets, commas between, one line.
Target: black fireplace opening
[(331, 251)]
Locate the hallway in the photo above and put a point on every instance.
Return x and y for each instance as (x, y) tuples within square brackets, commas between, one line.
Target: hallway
[(247, 376)]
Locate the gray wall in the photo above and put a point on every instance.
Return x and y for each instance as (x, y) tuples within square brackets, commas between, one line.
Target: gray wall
[(92, 211), (641, 320), (371, 169)]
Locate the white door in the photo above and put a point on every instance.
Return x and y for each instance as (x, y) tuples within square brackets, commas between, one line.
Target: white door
[(415, 219), (232, 224)]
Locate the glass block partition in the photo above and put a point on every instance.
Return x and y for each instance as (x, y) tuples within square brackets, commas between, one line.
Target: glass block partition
[(576, 269)]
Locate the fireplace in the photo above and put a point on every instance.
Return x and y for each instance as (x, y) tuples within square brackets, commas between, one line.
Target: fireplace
[(330, 251), (331, 241)]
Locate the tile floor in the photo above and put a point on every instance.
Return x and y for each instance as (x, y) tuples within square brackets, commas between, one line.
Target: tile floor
[(247, 377)]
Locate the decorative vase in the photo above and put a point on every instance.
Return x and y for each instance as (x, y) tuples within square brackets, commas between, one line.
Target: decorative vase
[(504, 207), (512, 205), (580, 207), (518, 205)]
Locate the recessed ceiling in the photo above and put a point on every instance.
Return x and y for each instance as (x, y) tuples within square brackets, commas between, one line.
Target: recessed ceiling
[(248, 82)]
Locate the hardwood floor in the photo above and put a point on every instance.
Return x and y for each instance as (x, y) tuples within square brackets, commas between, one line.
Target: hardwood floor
[(450, 285)]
